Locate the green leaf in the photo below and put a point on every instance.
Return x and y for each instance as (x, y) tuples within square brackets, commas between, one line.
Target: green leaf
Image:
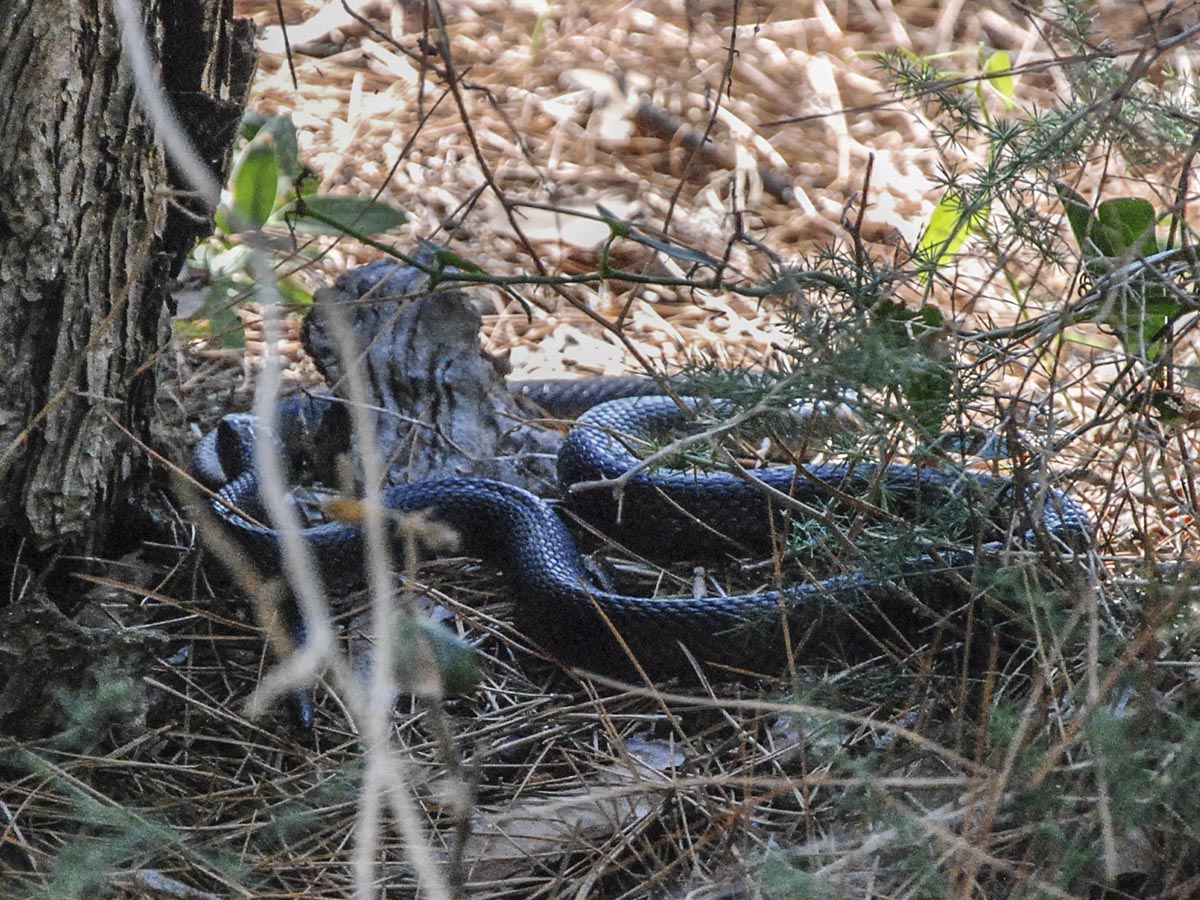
[(217, 320), (287, 148), (221, 220), (306, 183), (255, 184), (232, 261), (685, 254), (1125, 225), (1079, 215), (620, 228), (252, 120), (1147, 338), (915, 342), (1169, 405), (324, 214), (949, 227), (294, 294), (1139, 310), (456, 661), (1139, 316), (447, 261), (928, 395), (1001, 84)]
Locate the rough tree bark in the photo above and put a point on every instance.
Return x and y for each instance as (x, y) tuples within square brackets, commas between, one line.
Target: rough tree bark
[(93, 223)]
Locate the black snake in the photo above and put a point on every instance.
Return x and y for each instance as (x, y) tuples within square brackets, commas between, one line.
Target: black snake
[(560, 604)]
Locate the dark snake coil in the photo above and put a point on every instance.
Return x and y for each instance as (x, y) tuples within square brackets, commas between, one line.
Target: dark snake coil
[(559, 604)]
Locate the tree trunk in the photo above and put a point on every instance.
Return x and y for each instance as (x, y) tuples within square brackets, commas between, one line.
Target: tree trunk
[(93, 223)]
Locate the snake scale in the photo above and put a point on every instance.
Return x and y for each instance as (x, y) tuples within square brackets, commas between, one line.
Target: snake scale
[(560, 604)]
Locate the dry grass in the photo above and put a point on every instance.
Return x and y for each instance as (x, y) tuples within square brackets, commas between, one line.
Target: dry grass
[(903, 777)]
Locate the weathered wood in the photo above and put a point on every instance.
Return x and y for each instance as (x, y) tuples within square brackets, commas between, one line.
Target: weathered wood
[(93, 223), (445, 409)]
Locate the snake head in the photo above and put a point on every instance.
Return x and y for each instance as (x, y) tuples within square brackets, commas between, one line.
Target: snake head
[(235, 444)]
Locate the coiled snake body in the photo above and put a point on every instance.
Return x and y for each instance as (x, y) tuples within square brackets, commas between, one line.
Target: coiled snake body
[(560, 605)]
